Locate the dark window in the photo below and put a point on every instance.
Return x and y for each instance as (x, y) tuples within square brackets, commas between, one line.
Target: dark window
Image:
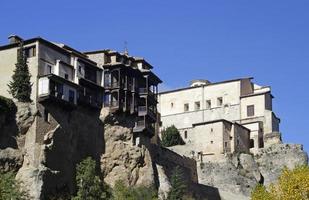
[(225, 145), (208, 104), (66, 76), (172, 105), (71, 96), (186, 107), (30, 52), (186, 134), (197, 105), (219, 101), (80, 69), (49, 69), (250, 110), (211, 142), (46, 115), (60, 89), (251, 143)]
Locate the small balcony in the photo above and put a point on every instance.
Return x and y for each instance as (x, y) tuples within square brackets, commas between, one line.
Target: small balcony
[(55, 88), (113, 85), (148, 92), (142, 125), (144, 111)]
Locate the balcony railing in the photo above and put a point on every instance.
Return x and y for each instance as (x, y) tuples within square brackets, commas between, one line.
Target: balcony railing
[(111, 85), (111, 104), (141, 125), (143, 110)]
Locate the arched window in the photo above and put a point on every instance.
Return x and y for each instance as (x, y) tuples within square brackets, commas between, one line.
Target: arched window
[(186, 134)]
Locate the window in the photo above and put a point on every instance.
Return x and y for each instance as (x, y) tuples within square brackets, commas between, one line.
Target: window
[(172, 105), (211, 130), (211, 142), (49, 69), (80, 69), (250, 110), (197, 105), (71, 96), (237, 142), (186, 107), (225, 145), (46, 115), (208, 104), (219, 101), (251, 143), (30, 52), (66, 76), (186, 134)]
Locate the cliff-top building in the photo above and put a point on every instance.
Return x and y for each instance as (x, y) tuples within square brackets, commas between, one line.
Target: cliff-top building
[(215, 118), (97, 79)]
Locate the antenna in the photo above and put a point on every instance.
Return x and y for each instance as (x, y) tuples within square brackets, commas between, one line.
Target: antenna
[(126, 52)]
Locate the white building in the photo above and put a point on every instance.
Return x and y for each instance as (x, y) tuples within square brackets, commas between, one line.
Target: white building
[(237, 101)]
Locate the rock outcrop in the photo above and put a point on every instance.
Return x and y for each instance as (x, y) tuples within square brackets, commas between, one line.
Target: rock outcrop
[(238, 174), (124, 161)]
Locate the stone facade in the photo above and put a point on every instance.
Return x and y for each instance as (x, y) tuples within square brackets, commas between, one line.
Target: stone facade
[(237, 101)]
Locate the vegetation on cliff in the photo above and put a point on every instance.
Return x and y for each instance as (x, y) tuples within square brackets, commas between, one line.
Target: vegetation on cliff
[(178, 186), (292, 184), (89, 183), (20, 86), (122, 192), (10, 188), (171, 137)]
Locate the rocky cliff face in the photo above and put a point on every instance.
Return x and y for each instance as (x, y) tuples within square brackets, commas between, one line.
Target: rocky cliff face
[(235, 176), (46, 163), (122, 160)]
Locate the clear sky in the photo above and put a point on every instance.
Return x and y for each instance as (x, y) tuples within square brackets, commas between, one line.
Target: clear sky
[(185, 40)]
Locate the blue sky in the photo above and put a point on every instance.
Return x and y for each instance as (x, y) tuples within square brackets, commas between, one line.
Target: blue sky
[(185, 40)]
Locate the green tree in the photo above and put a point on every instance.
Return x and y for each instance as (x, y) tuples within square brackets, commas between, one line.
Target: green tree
[(171, 137), (122, 192), (90, 186), (292, 184), (20, 86), (10, 188), (178, 185)]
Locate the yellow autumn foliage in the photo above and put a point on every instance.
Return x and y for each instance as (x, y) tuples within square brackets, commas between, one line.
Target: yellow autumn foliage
[(291, 185)]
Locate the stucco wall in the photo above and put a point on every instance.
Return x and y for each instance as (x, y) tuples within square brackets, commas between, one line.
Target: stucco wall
[(8, 59)]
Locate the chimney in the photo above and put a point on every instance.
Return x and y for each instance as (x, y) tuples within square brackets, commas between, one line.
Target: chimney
[(14, 39)]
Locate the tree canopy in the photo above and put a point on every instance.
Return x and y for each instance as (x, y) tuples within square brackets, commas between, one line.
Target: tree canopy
[(292, 184), (171, 137)]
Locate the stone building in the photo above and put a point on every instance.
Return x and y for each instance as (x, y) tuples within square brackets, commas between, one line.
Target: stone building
[(205, 114), (70, 93)]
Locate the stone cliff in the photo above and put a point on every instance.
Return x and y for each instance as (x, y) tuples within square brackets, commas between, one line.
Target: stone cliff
[(46, 163)]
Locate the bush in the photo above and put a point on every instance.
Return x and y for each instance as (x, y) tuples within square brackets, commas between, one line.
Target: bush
[(122, 192), (89, 185), (292, 184), (171, 137), (10, 188), (178, 186)]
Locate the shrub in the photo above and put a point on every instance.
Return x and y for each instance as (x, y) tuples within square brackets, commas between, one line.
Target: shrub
[(292, 184), (89, 185), (10, 188), (122, 192), (178, 186), (171, 137)]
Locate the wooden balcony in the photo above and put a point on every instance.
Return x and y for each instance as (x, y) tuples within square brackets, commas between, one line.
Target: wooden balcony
[(144, 126), (147, 92), (144, 111)]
